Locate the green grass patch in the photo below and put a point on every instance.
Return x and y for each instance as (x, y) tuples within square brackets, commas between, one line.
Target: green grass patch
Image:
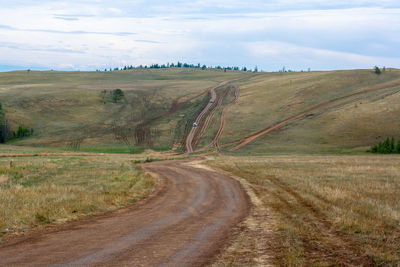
[(117, 150)]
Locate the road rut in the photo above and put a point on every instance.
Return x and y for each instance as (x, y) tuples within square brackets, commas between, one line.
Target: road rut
[(186, 222)]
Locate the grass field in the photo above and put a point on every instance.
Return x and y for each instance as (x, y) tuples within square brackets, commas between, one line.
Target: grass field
[(325, 210), (40, 190)]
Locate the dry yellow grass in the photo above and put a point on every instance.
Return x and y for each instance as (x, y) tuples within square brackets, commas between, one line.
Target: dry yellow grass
[(354, 122), (3, 179), (54, 189), (329, 210)]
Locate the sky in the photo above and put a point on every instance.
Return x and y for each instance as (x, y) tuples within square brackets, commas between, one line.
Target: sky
[(295, 34)]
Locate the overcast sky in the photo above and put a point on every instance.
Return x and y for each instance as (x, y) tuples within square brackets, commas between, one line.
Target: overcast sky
[(297, 34)]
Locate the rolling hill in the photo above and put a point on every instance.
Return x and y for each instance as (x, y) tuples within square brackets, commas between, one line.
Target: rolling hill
[(310, 112)]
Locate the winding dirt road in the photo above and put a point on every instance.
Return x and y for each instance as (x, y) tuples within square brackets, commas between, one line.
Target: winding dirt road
[(186, 222), (189, 138)]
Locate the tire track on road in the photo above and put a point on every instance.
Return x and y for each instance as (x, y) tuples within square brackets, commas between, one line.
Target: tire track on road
[(189, 139), (207, 120), (217, 137)]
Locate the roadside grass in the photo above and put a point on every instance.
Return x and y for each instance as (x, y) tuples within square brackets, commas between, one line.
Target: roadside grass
[(7, 148), (35, 191), (116, 149), (328, 210)]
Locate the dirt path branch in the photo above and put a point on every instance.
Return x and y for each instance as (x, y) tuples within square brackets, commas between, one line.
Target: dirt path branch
[(248, 139), (215, 141)]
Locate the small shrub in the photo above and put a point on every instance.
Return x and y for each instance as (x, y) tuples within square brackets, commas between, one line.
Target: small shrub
[(23, 132), (117, 95), (149, 160), (41, 219)]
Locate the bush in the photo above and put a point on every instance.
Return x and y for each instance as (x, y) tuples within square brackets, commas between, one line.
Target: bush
[(112, 95), (377, 70), (117, 95), (23, 132), (398, 146), (388, 146)]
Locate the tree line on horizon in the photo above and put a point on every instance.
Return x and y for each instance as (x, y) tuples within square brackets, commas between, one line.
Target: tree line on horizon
[(182, 65), (196, 66)]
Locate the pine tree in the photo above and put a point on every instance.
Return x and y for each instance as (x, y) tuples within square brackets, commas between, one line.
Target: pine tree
[(380, 147), (377, 70), (386, 146), (398, 146), (392, 147)]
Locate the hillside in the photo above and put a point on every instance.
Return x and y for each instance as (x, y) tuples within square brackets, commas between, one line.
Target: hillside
[(64, 108), (334, 111), (339, 111)]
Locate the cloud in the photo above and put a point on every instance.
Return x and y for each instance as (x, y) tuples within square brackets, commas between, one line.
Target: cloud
[(26, 47), (299, 57), (148, 41), (66, 18), (65, 32), (298, 33)]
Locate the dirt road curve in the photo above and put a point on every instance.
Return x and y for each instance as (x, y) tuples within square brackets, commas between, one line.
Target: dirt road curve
[(186, 223)]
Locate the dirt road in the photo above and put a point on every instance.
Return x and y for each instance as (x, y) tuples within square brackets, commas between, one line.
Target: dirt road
[(186, 222), (192, 133), (207, 119)]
